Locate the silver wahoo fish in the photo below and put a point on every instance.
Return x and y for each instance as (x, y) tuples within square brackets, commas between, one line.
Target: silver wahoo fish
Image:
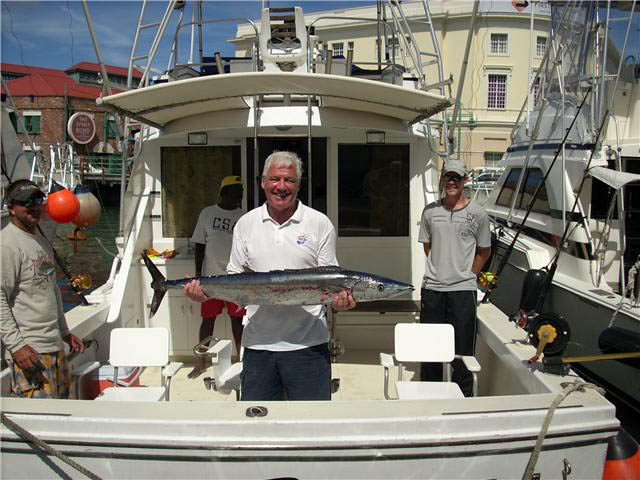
[(308, 286)]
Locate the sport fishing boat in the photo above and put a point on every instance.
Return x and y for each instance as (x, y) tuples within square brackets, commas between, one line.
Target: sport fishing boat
[(371, 164), (566, 209)]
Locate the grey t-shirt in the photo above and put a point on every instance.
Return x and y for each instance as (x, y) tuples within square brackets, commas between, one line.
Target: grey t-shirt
[(454, 236), (30, 302)]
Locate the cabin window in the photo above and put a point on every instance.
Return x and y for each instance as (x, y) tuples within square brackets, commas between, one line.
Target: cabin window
[(525, 195), (191, 179), (509, 186), (373, 190), (497, 91), (499, 43), (338, 49), (541, 46)]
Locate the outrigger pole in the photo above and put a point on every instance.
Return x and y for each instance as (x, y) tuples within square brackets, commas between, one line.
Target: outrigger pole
[(107, 84)]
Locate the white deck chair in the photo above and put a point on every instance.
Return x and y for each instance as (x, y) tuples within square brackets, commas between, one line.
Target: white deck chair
[(424, 342), (140, 347)]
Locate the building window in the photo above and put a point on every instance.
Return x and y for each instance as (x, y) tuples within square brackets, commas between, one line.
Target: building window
[(499, 43), (393, 45), (541, 46), (111, 127), (491, 159), (536, 90), (391, 51), (497, 91), (338, 49), (373, 190), (31, 122)]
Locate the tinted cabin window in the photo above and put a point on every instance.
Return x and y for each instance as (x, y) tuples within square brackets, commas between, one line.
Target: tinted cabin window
[(373, 190), (191, 179), (533, 179), (510, 184), (527, 190)]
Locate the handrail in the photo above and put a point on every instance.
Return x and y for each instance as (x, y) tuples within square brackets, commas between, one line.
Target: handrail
[(214, 20)]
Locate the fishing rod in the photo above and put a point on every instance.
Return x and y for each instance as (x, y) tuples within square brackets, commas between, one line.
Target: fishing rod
[(554, 265), (503, 262), (76, 287)]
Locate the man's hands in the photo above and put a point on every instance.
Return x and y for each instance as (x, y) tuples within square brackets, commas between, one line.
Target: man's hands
[(343, 301), (193, 290), (25, 357), (75, 344)]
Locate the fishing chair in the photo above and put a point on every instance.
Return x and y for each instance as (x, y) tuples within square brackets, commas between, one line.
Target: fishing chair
[(226, 375), (140, 347), (426, 342)]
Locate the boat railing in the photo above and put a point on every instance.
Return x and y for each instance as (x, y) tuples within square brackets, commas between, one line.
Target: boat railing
[(255, 58)]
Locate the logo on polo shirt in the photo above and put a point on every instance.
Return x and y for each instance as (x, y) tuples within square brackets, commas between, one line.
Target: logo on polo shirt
[(302, 239)]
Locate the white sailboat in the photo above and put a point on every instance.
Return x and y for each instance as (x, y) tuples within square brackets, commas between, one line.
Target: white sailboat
[(358, 138), (582, 229)]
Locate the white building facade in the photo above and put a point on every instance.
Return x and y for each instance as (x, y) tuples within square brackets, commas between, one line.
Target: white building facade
[(499, 69)]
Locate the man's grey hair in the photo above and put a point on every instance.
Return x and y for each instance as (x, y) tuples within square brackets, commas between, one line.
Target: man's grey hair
[(283, 159)]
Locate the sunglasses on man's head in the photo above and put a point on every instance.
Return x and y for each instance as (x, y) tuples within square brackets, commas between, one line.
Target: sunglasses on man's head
[(452, 176), (30, 201)]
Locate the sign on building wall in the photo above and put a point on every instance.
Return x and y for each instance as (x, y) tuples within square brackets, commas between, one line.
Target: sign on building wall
[(81, 127)]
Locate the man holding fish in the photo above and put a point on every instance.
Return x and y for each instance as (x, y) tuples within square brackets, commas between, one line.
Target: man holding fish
[(285, 346)]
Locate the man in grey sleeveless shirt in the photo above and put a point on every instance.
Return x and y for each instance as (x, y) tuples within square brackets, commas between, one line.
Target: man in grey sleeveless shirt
[(455, 235)]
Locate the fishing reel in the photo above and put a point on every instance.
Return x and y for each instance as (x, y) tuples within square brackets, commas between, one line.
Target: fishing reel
[(548, 332), (487, 279), (82, 281)]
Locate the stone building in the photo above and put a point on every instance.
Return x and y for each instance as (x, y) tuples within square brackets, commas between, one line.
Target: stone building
[(47, 98)]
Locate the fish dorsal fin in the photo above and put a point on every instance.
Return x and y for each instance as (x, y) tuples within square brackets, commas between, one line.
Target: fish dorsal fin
[(329, 268)]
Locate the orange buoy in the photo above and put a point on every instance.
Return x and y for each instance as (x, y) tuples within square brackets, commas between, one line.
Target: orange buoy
[(623, 458), (90, 209), (62, 204)]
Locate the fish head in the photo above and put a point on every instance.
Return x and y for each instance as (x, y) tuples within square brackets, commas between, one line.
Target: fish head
[(374, 287)]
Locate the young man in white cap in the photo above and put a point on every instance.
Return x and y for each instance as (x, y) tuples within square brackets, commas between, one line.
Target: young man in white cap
[(213, 236), (455, 235), (33, 323)]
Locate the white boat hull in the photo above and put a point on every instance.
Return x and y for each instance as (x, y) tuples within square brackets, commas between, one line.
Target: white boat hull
[(490, 436)]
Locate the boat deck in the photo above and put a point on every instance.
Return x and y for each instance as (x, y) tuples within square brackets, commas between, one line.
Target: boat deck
[(360, 374)]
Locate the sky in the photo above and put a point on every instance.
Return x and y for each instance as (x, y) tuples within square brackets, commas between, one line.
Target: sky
[(54, 34)]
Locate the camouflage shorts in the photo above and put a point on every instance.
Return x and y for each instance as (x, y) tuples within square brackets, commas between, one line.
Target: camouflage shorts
[(53, 381)]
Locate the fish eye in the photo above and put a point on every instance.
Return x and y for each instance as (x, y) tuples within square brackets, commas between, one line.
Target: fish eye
[(381, 287)]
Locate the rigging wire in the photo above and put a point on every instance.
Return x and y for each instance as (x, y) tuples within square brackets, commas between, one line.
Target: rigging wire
[(71, 32)]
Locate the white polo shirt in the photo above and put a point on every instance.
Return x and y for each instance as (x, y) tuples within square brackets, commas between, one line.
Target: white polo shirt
[(261, 244)]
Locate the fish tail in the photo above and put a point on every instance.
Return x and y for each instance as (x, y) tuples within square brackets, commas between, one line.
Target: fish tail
[(157, 283)]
